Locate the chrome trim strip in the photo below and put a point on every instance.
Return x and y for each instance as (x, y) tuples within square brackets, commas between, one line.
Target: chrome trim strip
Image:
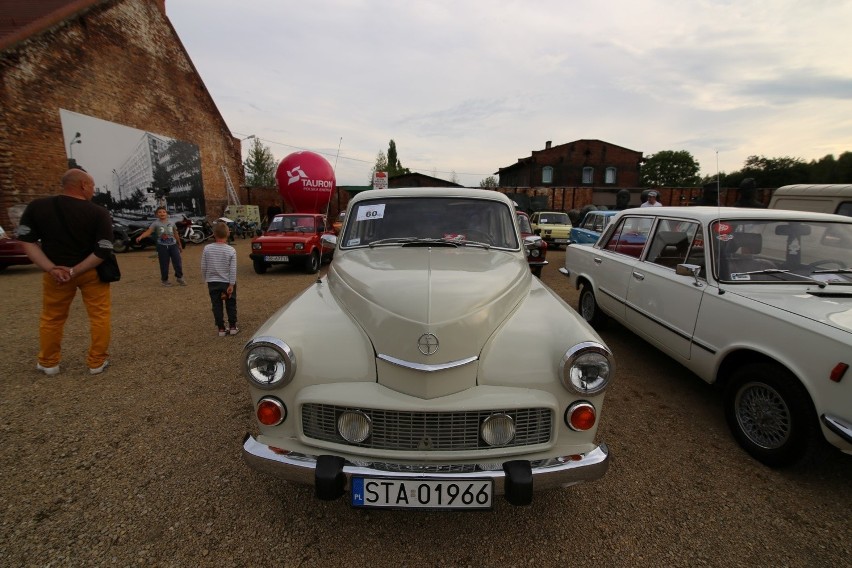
[(427, 368), (838, 426), (299, 468)]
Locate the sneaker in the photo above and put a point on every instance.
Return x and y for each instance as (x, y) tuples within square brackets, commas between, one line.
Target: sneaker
[(166, 283), (47, 370), (181, 281), (101, 369), (222, 332), (234, 330)]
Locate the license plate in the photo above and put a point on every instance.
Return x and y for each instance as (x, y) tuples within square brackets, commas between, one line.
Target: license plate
[(276, 258), (422, 493), (560, 241)]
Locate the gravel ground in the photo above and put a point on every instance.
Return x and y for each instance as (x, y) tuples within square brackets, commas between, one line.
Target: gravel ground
[(141, 466)]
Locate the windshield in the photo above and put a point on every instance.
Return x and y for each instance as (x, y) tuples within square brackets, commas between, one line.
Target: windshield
[(777, 251), (554, 219), (292, 224), (418, 220)]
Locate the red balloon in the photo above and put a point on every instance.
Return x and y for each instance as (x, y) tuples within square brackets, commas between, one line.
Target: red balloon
[(305, 182)]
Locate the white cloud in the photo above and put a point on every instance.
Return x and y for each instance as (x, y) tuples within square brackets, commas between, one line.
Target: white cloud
[(468, 87)]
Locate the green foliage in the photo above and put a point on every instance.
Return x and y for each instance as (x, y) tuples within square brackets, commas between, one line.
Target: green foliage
[(669, 168), (489, 183), (775, 172), (259, 165)]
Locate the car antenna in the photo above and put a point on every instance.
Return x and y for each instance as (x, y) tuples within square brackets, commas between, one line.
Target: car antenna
[(328, 204)]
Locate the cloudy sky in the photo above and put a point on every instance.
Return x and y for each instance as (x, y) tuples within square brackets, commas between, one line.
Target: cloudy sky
[(465, 87)]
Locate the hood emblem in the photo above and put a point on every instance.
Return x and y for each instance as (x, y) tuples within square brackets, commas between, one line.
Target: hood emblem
[(427, 344)]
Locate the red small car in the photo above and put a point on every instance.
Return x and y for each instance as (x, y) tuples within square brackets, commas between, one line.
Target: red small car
[(535, 255), (292, 238)]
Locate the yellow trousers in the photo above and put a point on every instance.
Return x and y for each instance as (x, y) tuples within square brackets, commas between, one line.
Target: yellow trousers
[(56, 303)]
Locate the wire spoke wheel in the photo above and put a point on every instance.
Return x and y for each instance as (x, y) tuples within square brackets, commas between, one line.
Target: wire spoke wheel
[(763, 415)]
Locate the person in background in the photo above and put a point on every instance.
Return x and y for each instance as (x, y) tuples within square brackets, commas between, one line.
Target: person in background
[(747, 195), (219, 270), (169, 246), (652, 200), (75, 235)]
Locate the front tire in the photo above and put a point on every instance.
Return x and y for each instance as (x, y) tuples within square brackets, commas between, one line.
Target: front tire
[(196, 237), (770, 414), (260, 267), (312, 263), (589, 308), (119, 245)]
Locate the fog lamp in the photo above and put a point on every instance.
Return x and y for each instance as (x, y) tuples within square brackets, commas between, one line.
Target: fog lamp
[(354, 426), (270, 411), (498, 429)]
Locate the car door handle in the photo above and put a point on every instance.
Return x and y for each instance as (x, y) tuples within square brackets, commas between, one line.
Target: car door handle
[(638, 275), (597, 260)]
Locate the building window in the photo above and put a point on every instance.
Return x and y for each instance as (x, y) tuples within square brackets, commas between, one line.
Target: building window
[(588, 174), (547, 174), (609, 176)]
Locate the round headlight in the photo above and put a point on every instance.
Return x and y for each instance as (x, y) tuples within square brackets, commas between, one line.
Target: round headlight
[(498, 429), (587, 368), (300, 246), (535, 253), (354, 426), (268, 363)]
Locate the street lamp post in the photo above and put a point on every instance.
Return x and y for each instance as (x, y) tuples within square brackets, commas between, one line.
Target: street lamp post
[(76, 140)]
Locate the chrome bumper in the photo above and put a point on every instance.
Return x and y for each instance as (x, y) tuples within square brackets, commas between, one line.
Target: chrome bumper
[(303, 469), (838, 426)]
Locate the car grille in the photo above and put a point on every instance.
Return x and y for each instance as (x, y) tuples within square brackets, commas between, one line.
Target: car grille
[(426, 431)]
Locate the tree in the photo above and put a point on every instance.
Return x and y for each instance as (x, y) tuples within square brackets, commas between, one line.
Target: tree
[(488, 183), (394, 165), (381, 165), (259, 165), (670, 168)]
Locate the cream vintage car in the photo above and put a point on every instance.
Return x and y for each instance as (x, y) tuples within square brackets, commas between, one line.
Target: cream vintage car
[(758, 301), (414, 374)]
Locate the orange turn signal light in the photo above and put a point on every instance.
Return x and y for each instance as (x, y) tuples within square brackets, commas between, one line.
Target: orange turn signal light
[(580, 416), (270, 411), (838, 371)]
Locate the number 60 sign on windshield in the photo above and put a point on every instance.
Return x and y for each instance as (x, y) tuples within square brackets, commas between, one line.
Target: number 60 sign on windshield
[(370, 212)]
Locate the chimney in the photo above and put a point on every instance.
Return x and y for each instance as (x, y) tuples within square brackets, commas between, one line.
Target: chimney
[(547, 145)]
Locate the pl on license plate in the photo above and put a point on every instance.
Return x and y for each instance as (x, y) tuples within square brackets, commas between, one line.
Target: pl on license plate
[(422, 493), (276, 258), (561, 241)]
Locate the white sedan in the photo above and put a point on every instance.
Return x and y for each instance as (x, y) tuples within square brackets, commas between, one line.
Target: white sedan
[(758, 301), (415, 374)]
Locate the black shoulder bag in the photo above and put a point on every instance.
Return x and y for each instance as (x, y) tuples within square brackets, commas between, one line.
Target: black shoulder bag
[(108, 270)]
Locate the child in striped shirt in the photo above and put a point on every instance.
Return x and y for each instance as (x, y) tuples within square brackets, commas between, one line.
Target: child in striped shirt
[(219, 270)]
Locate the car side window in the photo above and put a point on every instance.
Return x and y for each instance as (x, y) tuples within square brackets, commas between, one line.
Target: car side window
[(629, 236), (672, 242)]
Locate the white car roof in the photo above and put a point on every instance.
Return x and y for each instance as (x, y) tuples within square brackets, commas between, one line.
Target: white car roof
[(432, 192), (707, 214)]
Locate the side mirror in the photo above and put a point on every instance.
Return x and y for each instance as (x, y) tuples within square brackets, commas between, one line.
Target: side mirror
[(693, 270), (329, 240)]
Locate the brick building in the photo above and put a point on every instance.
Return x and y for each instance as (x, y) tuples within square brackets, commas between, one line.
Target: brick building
[(117, 61)]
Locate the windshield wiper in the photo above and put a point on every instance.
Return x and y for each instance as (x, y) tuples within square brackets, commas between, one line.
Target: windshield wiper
[(392, 241), (833, 271)]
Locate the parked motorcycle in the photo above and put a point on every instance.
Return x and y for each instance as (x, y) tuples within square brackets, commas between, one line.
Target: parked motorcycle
[(120, 237), (190, 231)]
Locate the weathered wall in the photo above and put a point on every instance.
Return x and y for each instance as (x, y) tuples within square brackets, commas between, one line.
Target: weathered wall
[(119, 61)]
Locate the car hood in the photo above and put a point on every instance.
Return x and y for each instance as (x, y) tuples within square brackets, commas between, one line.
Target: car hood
[(830, 306), (459, 295)]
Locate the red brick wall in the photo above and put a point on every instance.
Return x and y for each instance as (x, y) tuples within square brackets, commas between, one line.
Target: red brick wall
[(119, 61)]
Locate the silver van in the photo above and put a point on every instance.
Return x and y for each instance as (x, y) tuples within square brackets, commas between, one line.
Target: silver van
[(824, 198)]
